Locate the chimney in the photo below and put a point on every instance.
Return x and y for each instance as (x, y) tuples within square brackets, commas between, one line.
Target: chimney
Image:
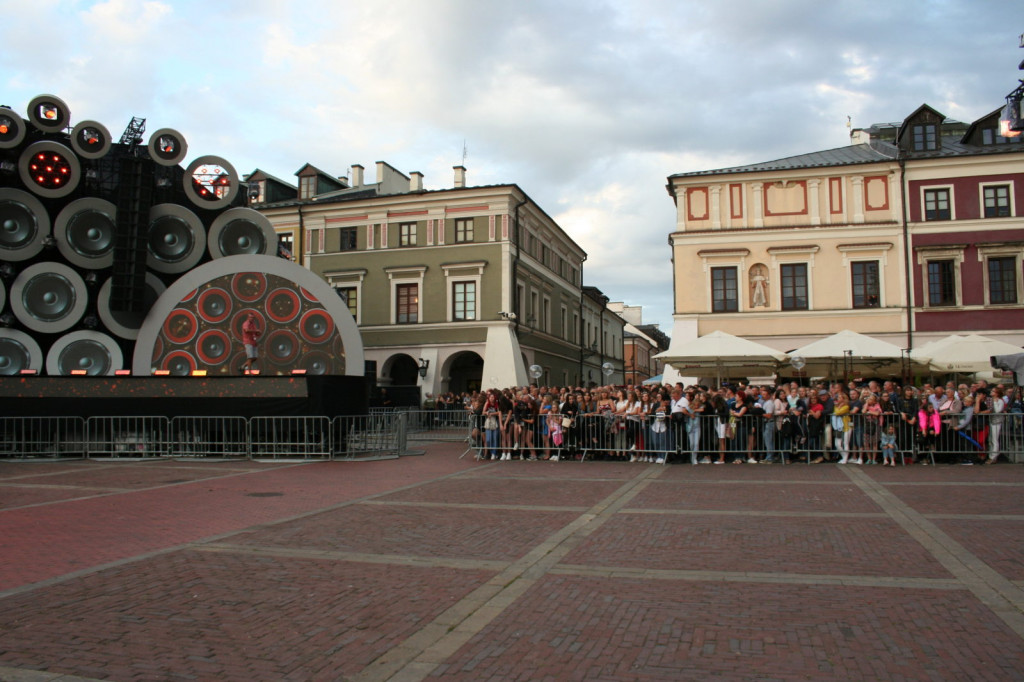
[(415, 181), (343, 180), (460, 176), (357, 175)]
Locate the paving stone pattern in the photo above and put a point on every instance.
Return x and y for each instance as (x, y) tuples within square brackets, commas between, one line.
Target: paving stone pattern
[(441, 567)]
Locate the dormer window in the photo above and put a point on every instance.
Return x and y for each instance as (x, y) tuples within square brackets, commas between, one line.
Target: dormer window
[(992, 136), (307, 186), (926, 137)]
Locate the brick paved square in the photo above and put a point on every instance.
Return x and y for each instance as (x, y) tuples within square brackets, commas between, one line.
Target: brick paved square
[(577, 628), (595, 471), (999, 542), (127, 476), (557, 492), (802, 545), (753, 472), (13, 496), (493, 534), (765, 496), (953, 498), (205, 615)]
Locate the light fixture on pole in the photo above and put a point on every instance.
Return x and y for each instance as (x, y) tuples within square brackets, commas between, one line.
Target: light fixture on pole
[(424, 364)]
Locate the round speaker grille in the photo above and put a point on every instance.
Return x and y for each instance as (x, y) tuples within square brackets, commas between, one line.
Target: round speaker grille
[(241, 231), (18, 351), (167, 147), (85, 230), (49, 297), (24, 225), (176, 239), (94, 352)]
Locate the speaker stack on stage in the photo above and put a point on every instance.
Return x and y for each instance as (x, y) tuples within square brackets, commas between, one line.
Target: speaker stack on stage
[(114, 257)]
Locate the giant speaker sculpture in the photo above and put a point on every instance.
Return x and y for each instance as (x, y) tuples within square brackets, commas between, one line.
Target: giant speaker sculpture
[(113, 255)]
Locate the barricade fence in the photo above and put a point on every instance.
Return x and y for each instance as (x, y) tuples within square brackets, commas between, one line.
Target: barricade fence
[(353, 437), (752, 439)]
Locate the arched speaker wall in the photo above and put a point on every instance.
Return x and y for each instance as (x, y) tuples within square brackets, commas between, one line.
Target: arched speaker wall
[(49, 297), (92, 351), (85, 231), (12, 128), (49, 169), (91, 139), (211, 182), (24, 225), (176, 238), (241, 232), (49, 113), (167, 147), (18, 351)]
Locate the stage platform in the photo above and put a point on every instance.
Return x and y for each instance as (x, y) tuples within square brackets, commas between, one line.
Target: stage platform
[(171, 396)]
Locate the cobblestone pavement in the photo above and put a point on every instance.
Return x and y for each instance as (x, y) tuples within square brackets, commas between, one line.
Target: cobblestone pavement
[(442, 567)]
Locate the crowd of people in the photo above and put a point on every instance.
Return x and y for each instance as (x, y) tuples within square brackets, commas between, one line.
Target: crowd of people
[(872, 423)]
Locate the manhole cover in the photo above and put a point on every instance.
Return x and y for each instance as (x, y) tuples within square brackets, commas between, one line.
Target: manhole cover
[(264, 494)]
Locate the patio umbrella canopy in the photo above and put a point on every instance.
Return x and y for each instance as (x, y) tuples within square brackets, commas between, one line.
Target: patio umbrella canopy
[(968, 354), (724, 354), (848, 350)]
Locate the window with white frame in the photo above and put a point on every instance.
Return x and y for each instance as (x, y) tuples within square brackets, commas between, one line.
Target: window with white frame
[(996, 201), (406, 301), (940, 273), (937, 204), (724, 289), (1002, 273), (463, 230), (794, 287), (463, 282), (350, 295), (407, 234)]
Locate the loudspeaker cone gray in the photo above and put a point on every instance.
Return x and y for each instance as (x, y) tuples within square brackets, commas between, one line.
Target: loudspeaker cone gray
[(85, 230), (241, 232), (95, 353), (24, 225), (18, 351), (48, 297), (176, 239)]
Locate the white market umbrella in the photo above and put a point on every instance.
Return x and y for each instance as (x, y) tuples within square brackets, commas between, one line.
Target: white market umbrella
[(849, 350), (724, 354), (966, 354)]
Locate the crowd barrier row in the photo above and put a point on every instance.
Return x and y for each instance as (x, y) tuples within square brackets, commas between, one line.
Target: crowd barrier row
[(792, 439), (295, 437)]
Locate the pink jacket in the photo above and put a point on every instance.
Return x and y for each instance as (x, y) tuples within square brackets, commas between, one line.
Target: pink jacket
[(935, 423)]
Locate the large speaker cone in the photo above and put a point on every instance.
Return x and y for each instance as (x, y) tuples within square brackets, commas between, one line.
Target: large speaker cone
[(242, 231), (49, 114), (213, 347), (176, 239), (282, 346), (211, 182), (124, 324), (167, 147), (48, 297), (96, 353), (12, 129), (24, 225), (84, 231), (18, 351), (49, 169)]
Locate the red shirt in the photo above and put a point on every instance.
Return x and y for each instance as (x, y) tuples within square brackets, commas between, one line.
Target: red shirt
[(250, 332)]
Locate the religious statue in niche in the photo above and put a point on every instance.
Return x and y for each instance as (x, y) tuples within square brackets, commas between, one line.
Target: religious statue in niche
[(759, 286)]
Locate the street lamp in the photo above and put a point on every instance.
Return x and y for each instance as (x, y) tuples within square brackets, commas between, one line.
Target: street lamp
[(424, 364)]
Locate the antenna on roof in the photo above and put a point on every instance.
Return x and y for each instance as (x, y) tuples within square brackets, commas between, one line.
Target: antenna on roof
[(464, 151)]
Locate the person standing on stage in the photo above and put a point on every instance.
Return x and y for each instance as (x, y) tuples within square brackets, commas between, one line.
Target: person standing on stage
[(251, 333)]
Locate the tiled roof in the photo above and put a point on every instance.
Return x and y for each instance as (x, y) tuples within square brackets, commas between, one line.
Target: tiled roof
[(840, 156)]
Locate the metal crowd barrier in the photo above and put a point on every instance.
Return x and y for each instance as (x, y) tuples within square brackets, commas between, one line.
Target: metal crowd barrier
[(381, 435), (287, 437), (209, 437), (793, 439), (451, 426), (42, 437), (135, 437)]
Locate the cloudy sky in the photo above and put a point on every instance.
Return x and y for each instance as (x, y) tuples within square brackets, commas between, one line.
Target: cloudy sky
[(587, 105)]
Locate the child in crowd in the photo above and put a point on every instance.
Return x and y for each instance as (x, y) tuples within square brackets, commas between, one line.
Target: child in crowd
[(889, 446)]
